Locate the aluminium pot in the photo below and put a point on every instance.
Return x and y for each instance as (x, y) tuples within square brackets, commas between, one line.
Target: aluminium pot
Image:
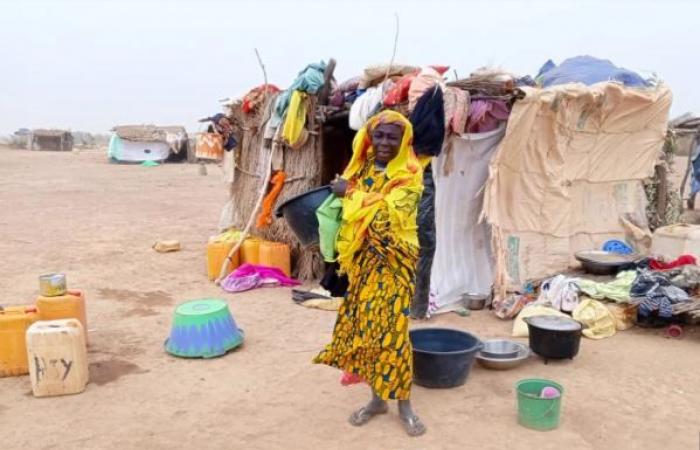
[(554, 337)]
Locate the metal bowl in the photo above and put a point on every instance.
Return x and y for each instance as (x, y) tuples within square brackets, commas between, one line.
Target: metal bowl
[(475, 301), (501, 349), (504, 363), (598, 262)]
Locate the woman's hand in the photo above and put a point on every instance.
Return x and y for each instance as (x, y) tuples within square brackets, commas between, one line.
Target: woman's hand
[(339, 186)]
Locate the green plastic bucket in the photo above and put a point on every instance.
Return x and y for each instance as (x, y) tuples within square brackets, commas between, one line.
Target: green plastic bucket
[(535, 412)]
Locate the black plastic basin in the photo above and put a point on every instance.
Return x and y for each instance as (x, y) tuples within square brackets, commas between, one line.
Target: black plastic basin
[(443, 357), (300, 214)]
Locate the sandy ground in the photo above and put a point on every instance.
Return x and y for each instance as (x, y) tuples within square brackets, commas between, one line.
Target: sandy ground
[(96, 221)]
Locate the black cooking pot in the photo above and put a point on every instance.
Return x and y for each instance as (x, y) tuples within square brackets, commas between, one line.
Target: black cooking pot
[(554, 337)]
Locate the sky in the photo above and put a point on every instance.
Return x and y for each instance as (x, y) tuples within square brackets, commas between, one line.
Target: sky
[(91, 65)]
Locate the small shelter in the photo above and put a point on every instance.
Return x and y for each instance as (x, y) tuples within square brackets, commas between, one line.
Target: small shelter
[(514, 202), (687, 130), (140, 143), (51, 140), (323, 154)]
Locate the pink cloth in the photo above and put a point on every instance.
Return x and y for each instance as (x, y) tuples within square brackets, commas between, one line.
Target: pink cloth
[(350, 378), (486, 115), (250, 276)]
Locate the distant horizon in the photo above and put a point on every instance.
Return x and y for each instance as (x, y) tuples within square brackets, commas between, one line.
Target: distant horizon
[(89, 66)]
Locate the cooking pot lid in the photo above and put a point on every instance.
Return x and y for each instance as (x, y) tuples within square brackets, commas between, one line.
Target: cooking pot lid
[(554, 323)]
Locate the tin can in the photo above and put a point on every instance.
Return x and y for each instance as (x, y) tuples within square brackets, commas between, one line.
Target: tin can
[(52, 284)]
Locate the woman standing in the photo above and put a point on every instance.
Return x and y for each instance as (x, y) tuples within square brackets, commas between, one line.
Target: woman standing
[(378, 248)]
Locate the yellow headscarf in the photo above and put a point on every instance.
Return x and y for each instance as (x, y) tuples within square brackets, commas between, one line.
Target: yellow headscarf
[(400, 194)]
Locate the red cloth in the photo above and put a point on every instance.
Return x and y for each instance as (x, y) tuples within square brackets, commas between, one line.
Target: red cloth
[(399, 91), (684, 260), (441, 69), (256, 95)]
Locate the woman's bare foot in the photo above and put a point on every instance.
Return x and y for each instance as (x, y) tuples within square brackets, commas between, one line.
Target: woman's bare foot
[(375, 407)]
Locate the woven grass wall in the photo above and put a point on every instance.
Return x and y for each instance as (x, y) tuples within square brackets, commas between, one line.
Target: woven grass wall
[(304, 171)]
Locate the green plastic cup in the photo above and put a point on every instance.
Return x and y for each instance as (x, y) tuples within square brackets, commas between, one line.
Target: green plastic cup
[(535, 412)]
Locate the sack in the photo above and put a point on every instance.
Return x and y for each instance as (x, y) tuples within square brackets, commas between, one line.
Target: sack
[(329, 216)]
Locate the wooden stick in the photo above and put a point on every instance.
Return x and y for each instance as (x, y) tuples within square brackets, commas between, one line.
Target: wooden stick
[(262, 66), (396, 43), (263, 188), (688, 169), (251, 219)]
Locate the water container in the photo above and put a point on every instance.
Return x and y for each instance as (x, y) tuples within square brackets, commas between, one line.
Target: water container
[(57, 357), (676, 240), (217, 252), (250, 251), (275, 254), (69, 306), (14, 321)]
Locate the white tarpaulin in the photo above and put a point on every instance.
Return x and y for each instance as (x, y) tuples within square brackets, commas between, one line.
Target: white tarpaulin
[(463, 259), (568, 171), (136, 151)]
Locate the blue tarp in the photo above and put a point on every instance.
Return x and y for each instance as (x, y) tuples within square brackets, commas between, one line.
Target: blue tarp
[(587, 70)]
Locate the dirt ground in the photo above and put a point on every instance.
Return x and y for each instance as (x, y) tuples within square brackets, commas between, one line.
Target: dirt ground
[(96, 222)]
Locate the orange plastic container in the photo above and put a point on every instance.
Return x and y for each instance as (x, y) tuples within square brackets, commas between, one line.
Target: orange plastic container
[(217, 252), (69, 306), (14, 322), (275, 254), (250, 251)]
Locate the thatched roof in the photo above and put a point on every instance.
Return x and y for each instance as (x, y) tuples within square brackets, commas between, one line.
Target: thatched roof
[(49, 132), (147, 133)]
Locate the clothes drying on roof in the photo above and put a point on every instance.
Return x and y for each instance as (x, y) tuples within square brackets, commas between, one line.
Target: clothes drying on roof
[(346, 92), (456, 109), (366, 105), (399, 91), (293, 131), (486, 115), (256, 96), (587, 70), (426, 79), (309, 80), (428, 120)]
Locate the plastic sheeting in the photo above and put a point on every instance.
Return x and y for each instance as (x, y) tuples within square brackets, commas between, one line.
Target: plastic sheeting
[(587, 70), (133, 151), (568, 150), (463, 259)]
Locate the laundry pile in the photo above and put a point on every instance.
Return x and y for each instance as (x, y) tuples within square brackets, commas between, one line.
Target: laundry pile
[(655, 290)]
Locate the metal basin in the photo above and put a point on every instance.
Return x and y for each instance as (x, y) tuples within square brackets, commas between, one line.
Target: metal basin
[(501, 349), (504, 363)]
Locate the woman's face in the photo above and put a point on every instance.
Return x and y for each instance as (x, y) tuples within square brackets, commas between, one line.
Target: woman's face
[(386, 140)]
